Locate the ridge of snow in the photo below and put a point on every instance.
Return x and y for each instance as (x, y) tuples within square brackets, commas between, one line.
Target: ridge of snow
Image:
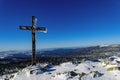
[(87, 70)]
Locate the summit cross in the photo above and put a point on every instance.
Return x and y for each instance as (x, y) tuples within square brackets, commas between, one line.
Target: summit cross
[(34, 28)]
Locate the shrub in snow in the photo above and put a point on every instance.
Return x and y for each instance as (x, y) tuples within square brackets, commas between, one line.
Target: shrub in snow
[(72, 73), (76, 62), (11, 76), (7, 78), (36, 72), (97, 74), (81, 75), (113, 68)]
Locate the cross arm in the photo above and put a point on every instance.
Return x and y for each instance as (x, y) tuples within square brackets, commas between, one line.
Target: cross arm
[(42, 29), (25, 28)]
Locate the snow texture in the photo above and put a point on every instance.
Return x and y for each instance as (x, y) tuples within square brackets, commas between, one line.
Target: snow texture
[(104, 69)]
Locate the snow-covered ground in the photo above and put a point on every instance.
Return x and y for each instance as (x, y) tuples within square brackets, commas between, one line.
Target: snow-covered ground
[(103, 69)]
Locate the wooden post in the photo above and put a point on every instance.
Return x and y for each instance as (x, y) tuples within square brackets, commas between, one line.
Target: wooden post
[(33, 28)]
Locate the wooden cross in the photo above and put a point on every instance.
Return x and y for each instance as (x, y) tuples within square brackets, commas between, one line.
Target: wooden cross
[(34, 28)]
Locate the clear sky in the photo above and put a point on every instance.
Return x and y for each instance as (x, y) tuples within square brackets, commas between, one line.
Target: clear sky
[(70, 23)]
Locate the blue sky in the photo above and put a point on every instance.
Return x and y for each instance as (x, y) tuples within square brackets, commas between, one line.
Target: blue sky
[(70, 23)]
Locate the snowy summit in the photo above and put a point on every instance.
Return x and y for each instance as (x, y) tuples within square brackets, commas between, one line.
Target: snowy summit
[(102, 69)]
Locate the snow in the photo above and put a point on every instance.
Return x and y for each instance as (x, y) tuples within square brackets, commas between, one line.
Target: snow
[(103, 45), (1, 57), (86, 70)]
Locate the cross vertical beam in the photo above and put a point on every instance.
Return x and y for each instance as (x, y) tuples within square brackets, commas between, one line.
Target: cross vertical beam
[(33, 28), (33, 40)]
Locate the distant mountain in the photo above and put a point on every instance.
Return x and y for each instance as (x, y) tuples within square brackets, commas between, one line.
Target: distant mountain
[(99, 50)]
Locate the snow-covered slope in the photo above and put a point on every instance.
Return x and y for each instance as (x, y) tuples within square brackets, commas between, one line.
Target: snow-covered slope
[(103, 69)]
